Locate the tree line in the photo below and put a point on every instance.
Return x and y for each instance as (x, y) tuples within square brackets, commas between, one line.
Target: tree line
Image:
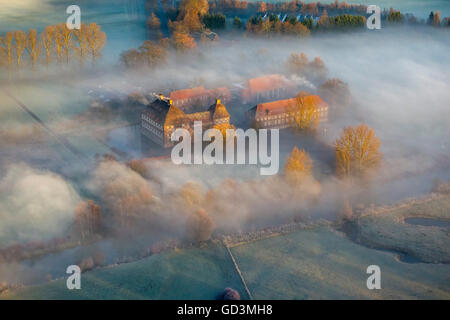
[(55, 44), (244, 8)]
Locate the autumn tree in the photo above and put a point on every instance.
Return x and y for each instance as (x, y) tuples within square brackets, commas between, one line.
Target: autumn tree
[(150, 54), (139, 167), (58, 39), (191, 195), (191, 13), (34, 47), (182, 40), (437, 19), (199, 226), (96, 40), (131, 58), (6, 44), (298, 163), (20, 45), (129, 207), (395, 16), (47, 39), (292, 27), (262, 7), (153, 22), (324, 21), (66, 40), (155, 54), (297, 63), (88, 219), (201, 7), (81, 42), (2, 57), (337, 94), (304, 110), (357, 151)]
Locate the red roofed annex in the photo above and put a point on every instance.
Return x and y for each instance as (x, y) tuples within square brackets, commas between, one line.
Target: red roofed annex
[(267, 87), (185, 99), (281, 114)]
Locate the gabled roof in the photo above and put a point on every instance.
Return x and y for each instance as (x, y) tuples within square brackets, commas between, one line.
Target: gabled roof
[(188, 93), (281, 106), (162, 111), (218, 110), (183, 94), (267, 83)]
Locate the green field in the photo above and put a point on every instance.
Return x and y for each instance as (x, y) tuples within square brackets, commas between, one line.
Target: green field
[(310, 264), (199, 273), (323, 264), (388, 230)]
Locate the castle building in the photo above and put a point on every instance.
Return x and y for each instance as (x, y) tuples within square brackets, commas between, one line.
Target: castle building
[(281, 114), (267, 88), (186, 99), (162, 117)]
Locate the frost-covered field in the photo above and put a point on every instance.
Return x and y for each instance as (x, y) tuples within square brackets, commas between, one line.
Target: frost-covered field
[(387, 229), (199, 273), (310, 264), (324, 264)]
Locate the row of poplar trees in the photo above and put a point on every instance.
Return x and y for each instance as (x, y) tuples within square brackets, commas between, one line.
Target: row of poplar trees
[(55, 44)]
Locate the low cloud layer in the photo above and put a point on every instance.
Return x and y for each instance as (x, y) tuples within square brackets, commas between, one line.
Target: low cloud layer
[(34, 205)]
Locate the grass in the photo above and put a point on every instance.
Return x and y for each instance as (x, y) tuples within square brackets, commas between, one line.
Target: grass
[(198, 273), (324, 264), (310, 264), (388, 230)]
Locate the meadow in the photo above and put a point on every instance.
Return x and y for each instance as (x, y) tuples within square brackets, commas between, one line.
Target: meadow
[(387, 229), (198, 273), (319, 263)]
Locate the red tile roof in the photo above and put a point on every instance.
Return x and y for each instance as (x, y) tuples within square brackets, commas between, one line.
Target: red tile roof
[(280, 106), (188, 93), (267, 83), (196, 92)]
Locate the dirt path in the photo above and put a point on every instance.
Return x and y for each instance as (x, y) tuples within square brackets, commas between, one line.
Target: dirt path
[(239, 272)]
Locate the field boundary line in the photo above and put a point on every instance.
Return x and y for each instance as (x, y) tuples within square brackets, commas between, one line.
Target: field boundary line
[(239, 272)]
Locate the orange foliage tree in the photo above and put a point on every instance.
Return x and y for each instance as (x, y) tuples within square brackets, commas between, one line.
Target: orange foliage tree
[(88, 219), (47, 39), (305, 112), (182, 40), (96, 40), (153, 22), (199, 226), (34, 47), (357, 151), (298, 165), (81, 42), (20, 43), (297, 63), (6, 45)]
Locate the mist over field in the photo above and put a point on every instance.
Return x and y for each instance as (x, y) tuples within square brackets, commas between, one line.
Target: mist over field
[(399, 79)]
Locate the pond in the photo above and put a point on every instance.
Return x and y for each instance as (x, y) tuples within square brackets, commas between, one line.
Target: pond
[(428, 222)]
